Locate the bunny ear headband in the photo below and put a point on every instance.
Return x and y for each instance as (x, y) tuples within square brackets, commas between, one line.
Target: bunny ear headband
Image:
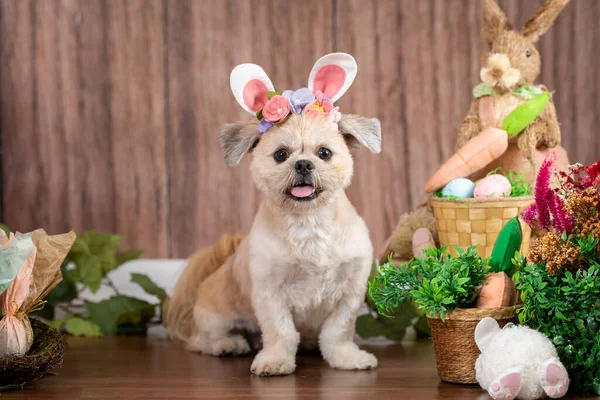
[(329, 79)]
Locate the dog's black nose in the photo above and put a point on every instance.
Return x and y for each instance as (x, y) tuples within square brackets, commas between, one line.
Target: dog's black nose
[(304, 167)]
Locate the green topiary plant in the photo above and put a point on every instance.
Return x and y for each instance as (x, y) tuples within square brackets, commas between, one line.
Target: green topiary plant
[(438, 284), (566, 308)]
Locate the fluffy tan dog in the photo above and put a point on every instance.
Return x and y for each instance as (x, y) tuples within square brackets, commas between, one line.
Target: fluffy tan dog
[(300, 275)]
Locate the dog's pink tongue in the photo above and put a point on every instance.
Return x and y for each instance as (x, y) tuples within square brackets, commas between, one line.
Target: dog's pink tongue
[(302, 191)]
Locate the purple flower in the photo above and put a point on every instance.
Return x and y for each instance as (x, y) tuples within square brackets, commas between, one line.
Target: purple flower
[(548, 209), (530, 215), (563, 221), (542, 191), (264, 125), (299, 99)]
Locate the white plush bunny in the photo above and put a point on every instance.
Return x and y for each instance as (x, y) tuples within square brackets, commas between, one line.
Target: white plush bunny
[(518, 362)]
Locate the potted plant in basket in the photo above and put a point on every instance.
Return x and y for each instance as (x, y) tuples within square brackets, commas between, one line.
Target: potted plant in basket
[(560, 281), (446, 288)]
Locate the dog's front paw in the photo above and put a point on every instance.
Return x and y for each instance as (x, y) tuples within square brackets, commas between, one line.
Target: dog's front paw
[(268, 362), (350, 357), (233, 345)]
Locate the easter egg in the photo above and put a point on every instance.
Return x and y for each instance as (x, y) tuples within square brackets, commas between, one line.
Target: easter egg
[(461, 187), (493, 186)]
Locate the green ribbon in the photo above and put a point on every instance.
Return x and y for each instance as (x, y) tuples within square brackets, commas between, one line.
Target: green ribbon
[(526, 92)]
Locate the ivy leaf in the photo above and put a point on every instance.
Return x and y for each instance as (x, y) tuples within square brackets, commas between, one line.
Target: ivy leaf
[(95, 255), (149, 287), (119, 310), (126, 256), (77, 326), (103, 245), (97, 247), (91, 272)]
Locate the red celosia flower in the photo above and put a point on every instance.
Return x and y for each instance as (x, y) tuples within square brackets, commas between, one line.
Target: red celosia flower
[(530, 215), (562, 220), (543, 192), (549, 208), (592, 177)]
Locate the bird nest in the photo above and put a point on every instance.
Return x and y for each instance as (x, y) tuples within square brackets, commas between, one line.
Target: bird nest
[(47, 352)]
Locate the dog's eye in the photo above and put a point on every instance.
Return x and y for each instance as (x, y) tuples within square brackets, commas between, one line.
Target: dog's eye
[(281, 155), (528, 53), (324, 153)]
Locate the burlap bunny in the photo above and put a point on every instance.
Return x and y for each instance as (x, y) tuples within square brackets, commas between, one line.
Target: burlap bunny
[(509, 68)]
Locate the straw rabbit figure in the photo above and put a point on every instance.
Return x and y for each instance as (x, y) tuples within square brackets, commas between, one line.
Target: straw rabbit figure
[(509, 68)]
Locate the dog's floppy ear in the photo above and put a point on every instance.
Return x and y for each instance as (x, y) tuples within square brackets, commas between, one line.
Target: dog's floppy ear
[(361, 130), (250, 84), (332, 75), (237, 140)]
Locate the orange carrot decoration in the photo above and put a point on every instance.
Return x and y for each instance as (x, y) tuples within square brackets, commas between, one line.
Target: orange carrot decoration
[(478, 152)]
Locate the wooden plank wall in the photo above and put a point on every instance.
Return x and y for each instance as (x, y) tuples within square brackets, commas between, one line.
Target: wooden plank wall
[(110, 109)]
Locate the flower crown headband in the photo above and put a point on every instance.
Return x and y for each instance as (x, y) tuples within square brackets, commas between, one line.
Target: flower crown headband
[(329, 79)]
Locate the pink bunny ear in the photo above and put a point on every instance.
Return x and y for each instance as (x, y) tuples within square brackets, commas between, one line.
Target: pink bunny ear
[(333, 74), (250, 84)]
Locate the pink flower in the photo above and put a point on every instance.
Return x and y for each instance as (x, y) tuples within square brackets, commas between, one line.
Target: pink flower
[(319, 96), (321, 106), (324, 102), (313, 110), (276, 109)]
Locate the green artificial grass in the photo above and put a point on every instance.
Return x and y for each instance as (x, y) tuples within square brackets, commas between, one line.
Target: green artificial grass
[(519, 185)]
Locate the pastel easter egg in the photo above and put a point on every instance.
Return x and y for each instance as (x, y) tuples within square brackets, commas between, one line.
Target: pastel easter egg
[(493, 186), (461, 187)]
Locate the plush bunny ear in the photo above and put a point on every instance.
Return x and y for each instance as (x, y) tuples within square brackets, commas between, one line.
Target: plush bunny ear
[(250, 84), (333, 74), (485, 330)]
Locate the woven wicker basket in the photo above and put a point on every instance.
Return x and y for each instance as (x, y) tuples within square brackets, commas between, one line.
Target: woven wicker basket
[(454, 340), (467, 222)]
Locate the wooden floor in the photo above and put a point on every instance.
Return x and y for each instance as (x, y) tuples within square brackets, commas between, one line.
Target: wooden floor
[(115, 368)]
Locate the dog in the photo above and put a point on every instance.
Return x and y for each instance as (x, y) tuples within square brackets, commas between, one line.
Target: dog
[(300, 276)]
